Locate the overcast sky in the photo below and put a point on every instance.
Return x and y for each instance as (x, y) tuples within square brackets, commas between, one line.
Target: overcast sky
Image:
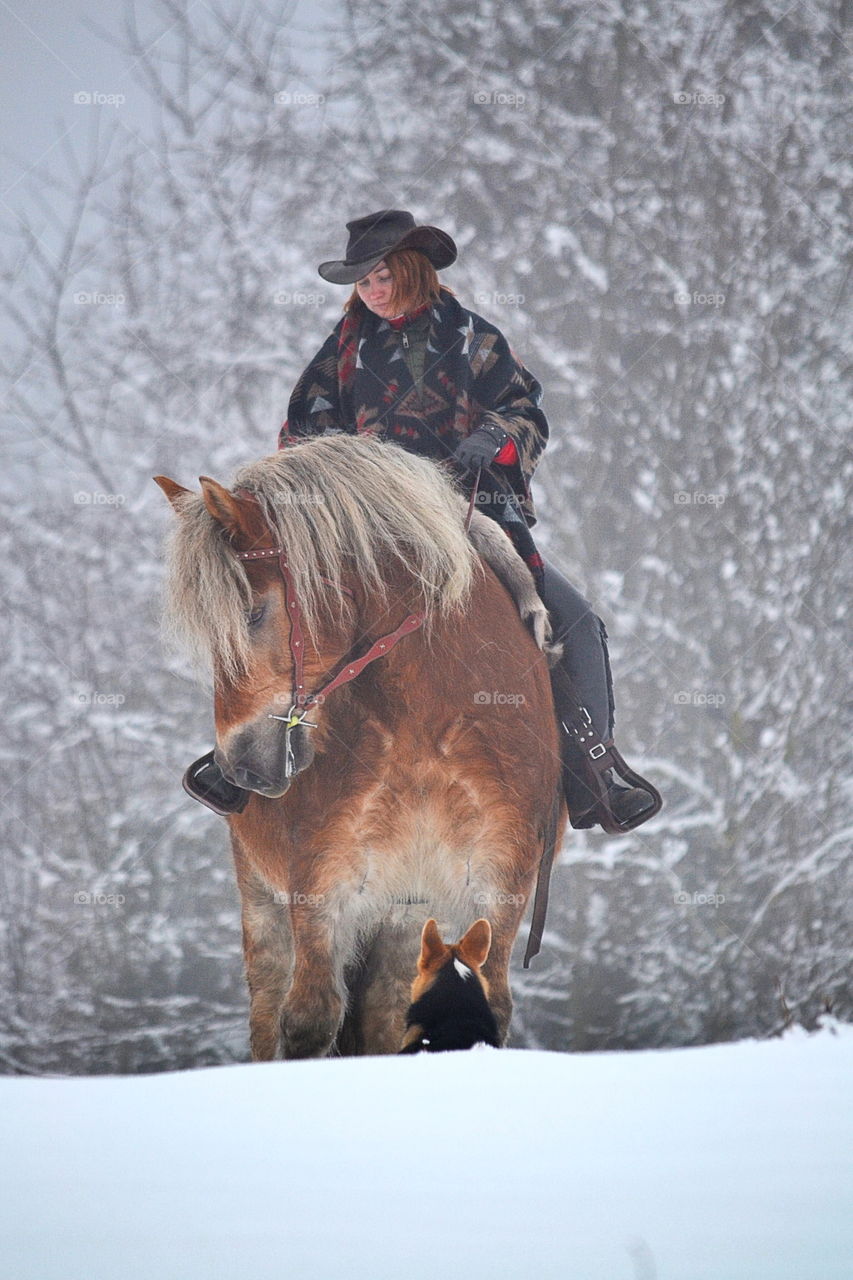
[(50, 54)]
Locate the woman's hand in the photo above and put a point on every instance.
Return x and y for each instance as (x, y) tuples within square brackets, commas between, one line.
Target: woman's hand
[(480, 448)]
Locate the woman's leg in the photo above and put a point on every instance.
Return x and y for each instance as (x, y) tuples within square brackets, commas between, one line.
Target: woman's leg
[(585, 667), (584, 639)]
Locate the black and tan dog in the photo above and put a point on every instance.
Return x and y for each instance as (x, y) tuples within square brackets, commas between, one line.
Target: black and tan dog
[(450, 997)]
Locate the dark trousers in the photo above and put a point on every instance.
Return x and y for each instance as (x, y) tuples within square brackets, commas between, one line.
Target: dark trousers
[(586, 662), (584, 639)]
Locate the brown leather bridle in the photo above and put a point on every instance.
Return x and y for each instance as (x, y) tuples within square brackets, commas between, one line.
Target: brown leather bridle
[(302, 701)]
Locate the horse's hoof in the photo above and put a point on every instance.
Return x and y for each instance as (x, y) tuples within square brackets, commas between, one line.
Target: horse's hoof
[(311, 1036)]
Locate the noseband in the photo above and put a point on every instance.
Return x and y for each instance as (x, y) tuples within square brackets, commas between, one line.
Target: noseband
[(303, 701)]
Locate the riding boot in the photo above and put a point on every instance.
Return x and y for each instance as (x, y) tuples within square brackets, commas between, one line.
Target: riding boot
[(582, 682)]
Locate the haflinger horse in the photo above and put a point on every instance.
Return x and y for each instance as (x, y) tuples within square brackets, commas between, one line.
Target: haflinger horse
[(381, 686)]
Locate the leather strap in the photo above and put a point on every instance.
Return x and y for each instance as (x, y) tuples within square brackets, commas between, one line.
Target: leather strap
[(611, 759), (598, 757), (543, 884), (297, 639), (377, 650), (474, 489)]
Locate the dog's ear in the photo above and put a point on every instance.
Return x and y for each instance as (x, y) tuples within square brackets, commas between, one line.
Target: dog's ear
[(434, 952), (473, 949)]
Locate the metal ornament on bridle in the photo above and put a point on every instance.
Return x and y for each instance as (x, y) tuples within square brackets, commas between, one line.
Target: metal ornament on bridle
[(302, 701)]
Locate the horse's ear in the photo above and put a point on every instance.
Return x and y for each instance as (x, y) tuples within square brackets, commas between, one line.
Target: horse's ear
[(171, 488), (433, 951), (474, 947), (222, 505)]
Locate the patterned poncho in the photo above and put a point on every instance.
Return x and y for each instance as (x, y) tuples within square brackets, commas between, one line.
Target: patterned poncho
[(360, 381)]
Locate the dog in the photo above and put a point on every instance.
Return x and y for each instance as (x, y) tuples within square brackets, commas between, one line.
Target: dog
[(450, 997)]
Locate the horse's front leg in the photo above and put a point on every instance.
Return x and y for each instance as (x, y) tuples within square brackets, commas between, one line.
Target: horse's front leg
[(268, 955), (314, 1006), (384, 986)]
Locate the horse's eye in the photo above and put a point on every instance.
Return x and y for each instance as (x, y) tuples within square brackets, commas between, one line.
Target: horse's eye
[(255, 616)]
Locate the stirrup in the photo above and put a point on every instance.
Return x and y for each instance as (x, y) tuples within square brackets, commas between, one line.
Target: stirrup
[(205, 782), (599, 759)]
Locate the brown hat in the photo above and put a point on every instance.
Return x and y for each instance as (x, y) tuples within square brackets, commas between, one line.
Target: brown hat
[(372, 237)]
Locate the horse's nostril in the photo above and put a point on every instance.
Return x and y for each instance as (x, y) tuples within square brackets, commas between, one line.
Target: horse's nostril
[(248, 779)]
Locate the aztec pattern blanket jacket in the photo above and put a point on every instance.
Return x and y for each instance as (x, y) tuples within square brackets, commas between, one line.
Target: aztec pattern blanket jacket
[(360, 381)]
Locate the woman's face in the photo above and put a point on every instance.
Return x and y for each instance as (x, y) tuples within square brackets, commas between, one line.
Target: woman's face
[(375, 290)]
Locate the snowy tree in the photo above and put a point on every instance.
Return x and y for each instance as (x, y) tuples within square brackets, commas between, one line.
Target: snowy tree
[(653, 203)]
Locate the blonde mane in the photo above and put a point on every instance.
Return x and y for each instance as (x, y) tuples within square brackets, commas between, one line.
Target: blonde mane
[(343, 507)]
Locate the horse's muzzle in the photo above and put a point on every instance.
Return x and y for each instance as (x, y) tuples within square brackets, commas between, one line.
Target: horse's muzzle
[(257, 757), (251, 781)]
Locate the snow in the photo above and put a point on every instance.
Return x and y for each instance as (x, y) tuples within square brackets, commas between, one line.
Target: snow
[(558, 237), (728, 1162)]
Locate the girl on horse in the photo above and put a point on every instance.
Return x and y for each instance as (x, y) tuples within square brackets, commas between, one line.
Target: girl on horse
[(409, 364)]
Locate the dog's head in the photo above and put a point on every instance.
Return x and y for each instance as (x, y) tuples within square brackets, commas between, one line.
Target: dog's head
[(450, 997), (469, 954)]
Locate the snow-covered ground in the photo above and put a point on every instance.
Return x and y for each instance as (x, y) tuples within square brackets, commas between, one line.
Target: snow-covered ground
[(731, 1162)]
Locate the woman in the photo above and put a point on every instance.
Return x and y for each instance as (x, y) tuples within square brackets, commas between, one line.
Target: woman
[(409, 364)]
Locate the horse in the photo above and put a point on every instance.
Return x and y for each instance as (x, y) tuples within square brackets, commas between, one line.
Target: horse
[(381, 686)]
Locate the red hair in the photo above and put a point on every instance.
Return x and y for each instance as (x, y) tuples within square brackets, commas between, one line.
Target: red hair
[(415, 282)]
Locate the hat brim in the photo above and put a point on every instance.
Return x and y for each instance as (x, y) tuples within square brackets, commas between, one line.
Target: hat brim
[(435, 243), (348, 272)]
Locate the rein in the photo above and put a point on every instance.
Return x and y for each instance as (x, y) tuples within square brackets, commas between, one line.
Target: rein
[(473, 500), (304, 701)]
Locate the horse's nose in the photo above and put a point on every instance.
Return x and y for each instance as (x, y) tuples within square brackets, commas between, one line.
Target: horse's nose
[(247, 778)]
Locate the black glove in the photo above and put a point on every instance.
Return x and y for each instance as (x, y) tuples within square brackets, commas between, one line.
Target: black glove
[(480, 448)]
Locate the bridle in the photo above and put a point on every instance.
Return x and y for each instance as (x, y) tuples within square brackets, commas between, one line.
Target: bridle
[(302, 701)]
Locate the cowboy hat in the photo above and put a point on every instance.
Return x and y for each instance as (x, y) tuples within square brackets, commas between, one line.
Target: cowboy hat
[(377, 234)]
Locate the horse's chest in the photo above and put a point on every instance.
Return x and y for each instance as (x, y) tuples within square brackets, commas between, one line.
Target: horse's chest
[(432, 811)]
